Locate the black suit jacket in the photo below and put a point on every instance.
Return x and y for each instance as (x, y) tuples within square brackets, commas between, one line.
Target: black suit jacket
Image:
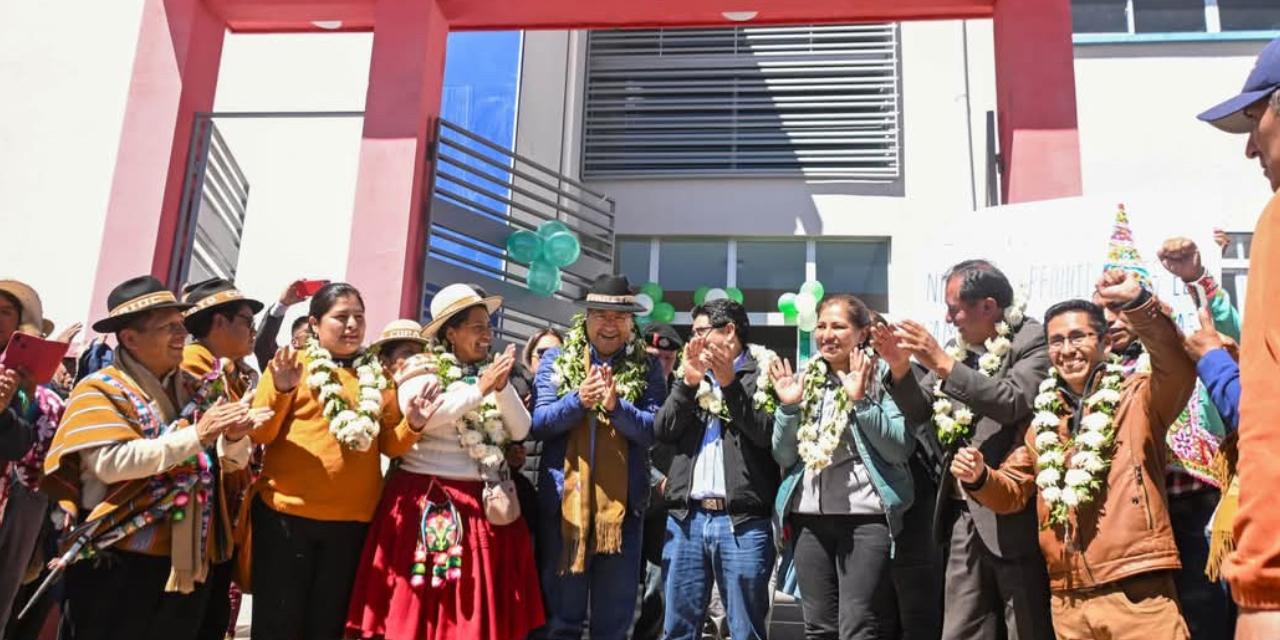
[(1003, 405)]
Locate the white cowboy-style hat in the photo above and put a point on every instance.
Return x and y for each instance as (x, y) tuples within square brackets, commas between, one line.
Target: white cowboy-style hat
[(452, 300), (401, 330)]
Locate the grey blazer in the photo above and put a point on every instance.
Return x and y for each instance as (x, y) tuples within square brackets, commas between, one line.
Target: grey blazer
[(1004, 406)]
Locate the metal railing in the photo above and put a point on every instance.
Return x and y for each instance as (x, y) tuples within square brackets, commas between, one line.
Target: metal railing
[(215, 197), (482, 193)]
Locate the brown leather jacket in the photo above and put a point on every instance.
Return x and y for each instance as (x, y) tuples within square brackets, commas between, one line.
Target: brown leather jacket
[(1125, 531)]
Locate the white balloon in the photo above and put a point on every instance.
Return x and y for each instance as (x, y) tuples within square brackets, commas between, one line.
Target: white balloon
[(806, 302), (645, 301), (716, 294), (807, 320)]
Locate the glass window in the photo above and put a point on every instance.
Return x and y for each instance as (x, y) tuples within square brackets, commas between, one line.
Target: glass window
[(1249, 15), (858, 267), (686, 265), (1099, 16), (1165, 16), (768, 269), (633, 260)]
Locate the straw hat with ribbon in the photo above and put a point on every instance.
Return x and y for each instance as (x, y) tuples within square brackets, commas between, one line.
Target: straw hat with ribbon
[(455, 299), (33, 321), (208, 295), (397, 330)]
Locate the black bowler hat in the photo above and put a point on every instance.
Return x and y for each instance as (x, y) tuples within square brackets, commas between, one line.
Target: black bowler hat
[(208, 295), (611, 293), (133, 297), (662, 336)]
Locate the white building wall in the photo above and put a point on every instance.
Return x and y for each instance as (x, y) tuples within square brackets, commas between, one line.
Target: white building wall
[(64, 83)]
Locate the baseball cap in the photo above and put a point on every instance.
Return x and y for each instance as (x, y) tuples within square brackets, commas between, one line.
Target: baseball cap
[(1262, 81), (663, 336)]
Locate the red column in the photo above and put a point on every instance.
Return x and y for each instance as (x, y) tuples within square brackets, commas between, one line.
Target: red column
[(389, 228), (1036, 100), (175, 74)]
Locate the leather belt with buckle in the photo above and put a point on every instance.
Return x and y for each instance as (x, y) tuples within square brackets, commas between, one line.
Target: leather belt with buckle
[(710, 504)]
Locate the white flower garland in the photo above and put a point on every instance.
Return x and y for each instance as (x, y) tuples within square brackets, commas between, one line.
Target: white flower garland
[(952, 419), (481, 432), (1065, 486), (816, 439), (711, 399), (354, 427)]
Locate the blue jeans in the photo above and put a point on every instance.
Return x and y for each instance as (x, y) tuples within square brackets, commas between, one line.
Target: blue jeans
[(608, 586), (704, 547)]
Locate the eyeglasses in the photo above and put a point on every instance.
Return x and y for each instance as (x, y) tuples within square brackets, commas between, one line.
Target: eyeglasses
[(171, 328), (1076, 339), (701, 332), (246, 318), (610, 317)]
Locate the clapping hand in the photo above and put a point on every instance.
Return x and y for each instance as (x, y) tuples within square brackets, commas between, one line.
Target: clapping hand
[(592, 390), (495, 376), (916, 340), (886, 344), (694, 367), (249, 419), (286, 370), (610, 400), (424, 404), (8, 386), (720, 361), (786, 383), (861, 369)]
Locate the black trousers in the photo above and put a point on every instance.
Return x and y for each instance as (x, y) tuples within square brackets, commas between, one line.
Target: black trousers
[(918, 566), (993, 598), (120, 596), (842, 565), (217, 613), (651, 610), (303, 572)]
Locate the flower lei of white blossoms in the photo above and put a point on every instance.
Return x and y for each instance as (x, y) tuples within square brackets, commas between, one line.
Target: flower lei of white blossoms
[(1065, 485), (953, 420), (481, 432), (354, 427), (630, 375), (816, 439), (711, 399)]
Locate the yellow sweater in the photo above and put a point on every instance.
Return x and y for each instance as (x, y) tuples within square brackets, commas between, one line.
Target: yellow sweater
[(306, 472)]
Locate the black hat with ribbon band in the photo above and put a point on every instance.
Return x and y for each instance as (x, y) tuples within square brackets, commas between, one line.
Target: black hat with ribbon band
[(611, 293), (207, 295), (134, 297)]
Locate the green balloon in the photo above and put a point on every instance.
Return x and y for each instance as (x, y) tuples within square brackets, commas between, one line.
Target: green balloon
[(552, 227), (735, 294), (543, 279), (814, 288), (653, 290), (787, 304), (561, 248), (791, 318), (524, 246), (663, 312), (700, 295)]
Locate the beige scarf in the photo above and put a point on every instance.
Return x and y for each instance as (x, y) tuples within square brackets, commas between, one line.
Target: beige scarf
[(595, 495), (186, 554)]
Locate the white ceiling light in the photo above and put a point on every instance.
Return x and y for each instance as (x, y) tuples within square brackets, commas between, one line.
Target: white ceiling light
[(329, 25), (740, 16)]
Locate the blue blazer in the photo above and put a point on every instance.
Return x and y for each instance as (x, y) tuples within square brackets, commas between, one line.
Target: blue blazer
[(555, 416)]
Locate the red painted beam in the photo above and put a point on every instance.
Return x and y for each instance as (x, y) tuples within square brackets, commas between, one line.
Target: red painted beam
[(389, 226), (175, 74), (1036, 100), (463, 15)]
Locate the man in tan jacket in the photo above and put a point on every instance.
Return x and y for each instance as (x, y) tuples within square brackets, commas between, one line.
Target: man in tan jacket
[(1095, 451)]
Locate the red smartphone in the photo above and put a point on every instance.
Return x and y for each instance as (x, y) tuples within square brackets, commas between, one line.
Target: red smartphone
[(308, 288), (36, 357)]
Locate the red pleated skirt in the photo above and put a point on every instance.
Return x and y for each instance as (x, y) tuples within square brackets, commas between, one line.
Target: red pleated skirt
[(497, 596)]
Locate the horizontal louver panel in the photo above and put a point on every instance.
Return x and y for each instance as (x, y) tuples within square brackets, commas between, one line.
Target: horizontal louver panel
[(818, 101)]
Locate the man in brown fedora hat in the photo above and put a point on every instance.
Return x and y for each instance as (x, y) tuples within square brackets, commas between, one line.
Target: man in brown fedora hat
[(130, 463)]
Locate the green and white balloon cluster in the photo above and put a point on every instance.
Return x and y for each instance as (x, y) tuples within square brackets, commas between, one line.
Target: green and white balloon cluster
[(655, 310), (801, 309), (551, 249), (708, 294)]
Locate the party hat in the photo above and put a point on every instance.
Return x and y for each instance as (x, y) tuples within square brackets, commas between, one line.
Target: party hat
[(1122, 253)]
